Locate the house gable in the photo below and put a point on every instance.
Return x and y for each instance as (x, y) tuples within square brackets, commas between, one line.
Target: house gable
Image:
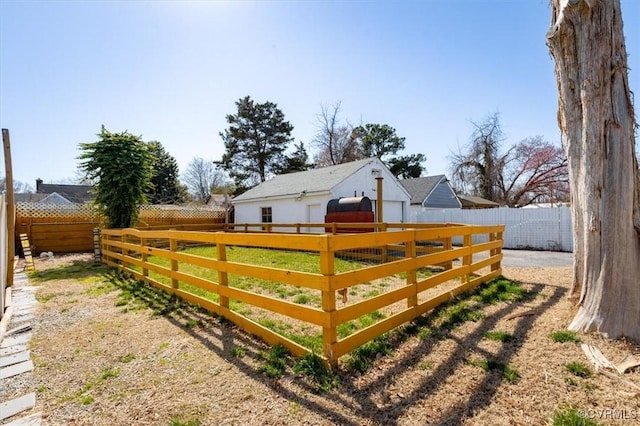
[(55, 198), (432, 192)]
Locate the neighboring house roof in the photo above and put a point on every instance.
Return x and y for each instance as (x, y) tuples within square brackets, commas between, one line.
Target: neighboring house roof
[(310, 181), (219, 200), (29, 197), (77, 194), (431, 191), (471, 202), (420, 188), (56, 198)]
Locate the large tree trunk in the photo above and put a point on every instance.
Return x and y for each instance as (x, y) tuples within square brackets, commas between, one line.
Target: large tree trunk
[(597, 121)]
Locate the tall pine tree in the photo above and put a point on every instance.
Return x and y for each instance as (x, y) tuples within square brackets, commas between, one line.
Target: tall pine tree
[(255, 142)]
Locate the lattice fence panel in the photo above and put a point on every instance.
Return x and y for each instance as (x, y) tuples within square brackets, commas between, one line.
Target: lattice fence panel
[(69, 228)]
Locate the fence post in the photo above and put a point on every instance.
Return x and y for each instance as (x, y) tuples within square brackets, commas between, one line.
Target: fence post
[(447, 246), (412, 275), (467, 259), (384, 253), (144, 255), (96, 245), (223, 279), (496, 236), (173, 246), (329, 333)]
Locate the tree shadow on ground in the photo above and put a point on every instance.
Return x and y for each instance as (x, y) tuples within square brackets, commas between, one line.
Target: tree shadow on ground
[(356, 403), (77, 269)]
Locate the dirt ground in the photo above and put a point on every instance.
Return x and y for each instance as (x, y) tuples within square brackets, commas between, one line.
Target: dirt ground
[(101, 361)]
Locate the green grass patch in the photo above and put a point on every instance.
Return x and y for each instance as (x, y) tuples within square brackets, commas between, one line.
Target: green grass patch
[(509, 373), (347, 328), (274, 362), (126, 358), (361, 358), (81, 394), (453, 315), (425, 365), (501, 290), (564, 336), (311, 341), (572, 417), (238, 351), (578, 369), (317, 372), (498, 336), (78, 270), (425, 332), (302, 299), (179, 421), (108, 373)]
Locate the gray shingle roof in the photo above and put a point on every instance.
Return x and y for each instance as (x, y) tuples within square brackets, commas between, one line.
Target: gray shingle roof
[(29, 197), (314, 180), (77, 194), (420, 188)]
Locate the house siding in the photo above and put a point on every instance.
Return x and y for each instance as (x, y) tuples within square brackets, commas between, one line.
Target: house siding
[(442, 197)]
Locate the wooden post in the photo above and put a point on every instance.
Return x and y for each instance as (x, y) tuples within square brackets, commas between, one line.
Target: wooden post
[(173, 246), (145, 257), (412, 274), (447, 246), (11, 207), (223, 279), (96, 246), (467, 259), (329, 332), (496, 236), (384, 251)]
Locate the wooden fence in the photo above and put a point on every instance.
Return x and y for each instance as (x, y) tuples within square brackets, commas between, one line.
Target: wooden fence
[(69, 228), (404, 251)]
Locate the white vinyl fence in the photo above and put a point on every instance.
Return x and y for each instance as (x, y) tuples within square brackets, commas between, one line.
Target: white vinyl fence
[(534, 228)]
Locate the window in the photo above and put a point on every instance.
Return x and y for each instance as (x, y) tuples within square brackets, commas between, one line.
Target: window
[(266, 214)]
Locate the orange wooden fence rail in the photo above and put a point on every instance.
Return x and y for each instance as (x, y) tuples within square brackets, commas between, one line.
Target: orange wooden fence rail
[(129, 250)]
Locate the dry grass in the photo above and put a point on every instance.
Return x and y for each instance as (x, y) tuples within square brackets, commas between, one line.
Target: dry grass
[(105, 360)]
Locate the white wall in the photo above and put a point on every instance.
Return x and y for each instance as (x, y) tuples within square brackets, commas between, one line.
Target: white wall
[(284, 209), (364, 183), (541, 229)]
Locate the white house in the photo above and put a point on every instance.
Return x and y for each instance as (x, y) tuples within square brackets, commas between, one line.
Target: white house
[(302, 197)]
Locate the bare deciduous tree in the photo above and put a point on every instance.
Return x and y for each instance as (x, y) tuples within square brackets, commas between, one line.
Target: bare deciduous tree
[(18, 187), (335, 141), (596, 119), (203, 178), (475, 169), (531, 171)]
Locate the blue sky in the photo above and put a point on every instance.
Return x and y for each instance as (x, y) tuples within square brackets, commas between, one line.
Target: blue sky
[(172, 71)]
